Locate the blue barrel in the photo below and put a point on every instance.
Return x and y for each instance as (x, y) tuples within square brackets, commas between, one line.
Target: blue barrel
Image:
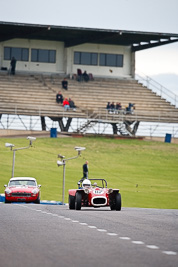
[(53, 132), (168, 138)]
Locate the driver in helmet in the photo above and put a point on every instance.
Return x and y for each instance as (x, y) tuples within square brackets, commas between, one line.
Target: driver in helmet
[(86, 183)]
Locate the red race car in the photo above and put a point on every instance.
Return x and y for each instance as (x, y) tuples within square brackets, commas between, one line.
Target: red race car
[(94, 193), (22, 189)]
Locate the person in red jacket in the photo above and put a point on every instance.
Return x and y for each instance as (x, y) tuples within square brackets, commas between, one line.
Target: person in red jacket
[(66, 104)]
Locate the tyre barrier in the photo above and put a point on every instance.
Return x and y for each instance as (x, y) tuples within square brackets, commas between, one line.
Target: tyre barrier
[(2, 197)]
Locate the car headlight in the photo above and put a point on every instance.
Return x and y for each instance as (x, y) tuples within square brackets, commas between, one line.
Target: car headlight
[(86, 191), (110, 191), (8, 191), (34, 191)]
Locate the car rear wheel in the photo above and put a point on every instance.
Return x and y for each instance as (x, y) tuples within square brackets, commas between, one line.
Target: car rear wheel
[(78, 201), (71, 202), (118, 201)]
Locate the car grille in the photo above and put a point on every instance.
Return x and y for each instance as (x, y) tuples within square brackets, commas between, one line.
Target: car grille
[(99, 201), (21, 195)]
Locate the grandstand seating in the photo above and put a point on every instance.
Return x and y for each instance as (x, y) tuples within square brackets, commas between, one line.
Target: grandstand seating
[(28, 95), (25, 94), (92, 97)]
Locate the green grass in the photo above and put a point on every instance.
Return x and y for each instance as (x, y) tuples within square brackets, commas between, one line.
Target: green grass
[(145, 172)]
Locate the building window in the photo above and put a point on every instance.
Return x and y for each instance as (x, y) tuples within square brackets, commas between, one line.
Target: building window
[(111, 60), (85, 58), (20, 54), (43, 55)]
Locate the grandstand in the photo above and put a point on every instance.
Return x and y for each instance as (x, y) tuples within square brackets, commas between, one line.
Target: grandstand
[(46, 54), (34, 95)]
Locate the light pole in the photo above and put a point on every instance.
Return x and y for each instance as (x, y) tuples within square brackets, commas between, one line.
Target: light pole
[(63, 163), (30, 138)]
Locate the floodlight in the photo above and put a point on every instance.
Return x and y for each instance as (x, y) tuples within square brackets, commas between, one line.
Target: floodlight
[(60, 163), (78, 148), (60, 156), (9, 145), (31, 138)]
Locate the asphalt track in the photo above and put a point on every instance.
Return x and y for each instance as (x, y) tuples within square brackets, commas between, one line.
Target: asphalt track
[(52, 235)]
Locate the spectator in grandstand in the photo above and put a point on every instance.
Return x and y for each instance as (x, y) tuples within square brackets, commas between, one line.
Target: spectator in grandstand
[(65, 84), (112, 109), (13, 65), (85, 76), (118, 106), (130, 108), (79, 75), (72, 104), (59, 97), (108, 107), (91, 78), (66, 104)]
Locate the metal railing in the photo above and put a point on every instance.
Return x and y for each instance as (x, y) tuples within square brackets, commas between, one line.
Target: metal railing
[(157, 88)]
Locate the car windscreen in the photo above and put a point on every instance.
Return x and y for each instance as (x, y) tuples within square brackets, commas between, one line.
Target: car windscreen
[(22, 182), (98, 182)]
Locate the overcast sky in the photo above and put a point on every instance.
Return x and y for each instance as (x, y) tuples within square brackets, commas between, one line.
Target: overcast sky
[(135, 15)]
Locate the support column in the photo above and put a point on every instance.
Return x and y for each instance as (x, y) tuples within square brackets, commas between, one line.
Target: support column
[(115, 129), (133, 65), (61, 124), (43, 123), (68, 124), (134, 129)]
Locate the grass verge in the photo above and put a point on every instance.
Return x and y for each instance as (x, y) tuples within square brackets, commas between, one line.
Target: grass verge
[(145, 172)]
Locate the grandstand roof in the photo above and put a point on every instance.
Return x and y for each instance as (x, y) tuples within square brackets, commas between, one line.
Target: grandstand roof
[(72, 36)]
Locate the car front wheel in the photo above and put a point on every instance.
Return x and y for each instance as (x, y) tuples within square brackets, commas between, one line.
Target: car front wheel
[(78, 201), (7, 202), (71, 202), (37, 201), (118, 201)]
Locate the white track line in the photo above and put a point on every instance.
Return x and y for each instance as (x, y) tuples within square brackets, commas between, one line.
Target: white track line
[(138, 242), (124, 238), (103, 230), (169, 252), (152, 247), (92, 226), (112, 234)]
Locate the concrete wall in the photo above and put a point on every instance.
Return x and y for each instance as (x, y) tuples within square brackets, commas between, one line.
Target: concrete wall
[(102, 71), (35, 66)]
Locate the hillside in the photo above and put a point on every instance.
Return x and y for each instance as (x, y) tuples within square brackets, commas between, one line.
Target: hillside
[(145, 172)]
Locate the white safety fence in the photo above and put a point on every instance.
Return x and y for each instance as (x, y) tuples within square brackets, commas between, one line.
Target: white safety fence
[(33, 123)]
